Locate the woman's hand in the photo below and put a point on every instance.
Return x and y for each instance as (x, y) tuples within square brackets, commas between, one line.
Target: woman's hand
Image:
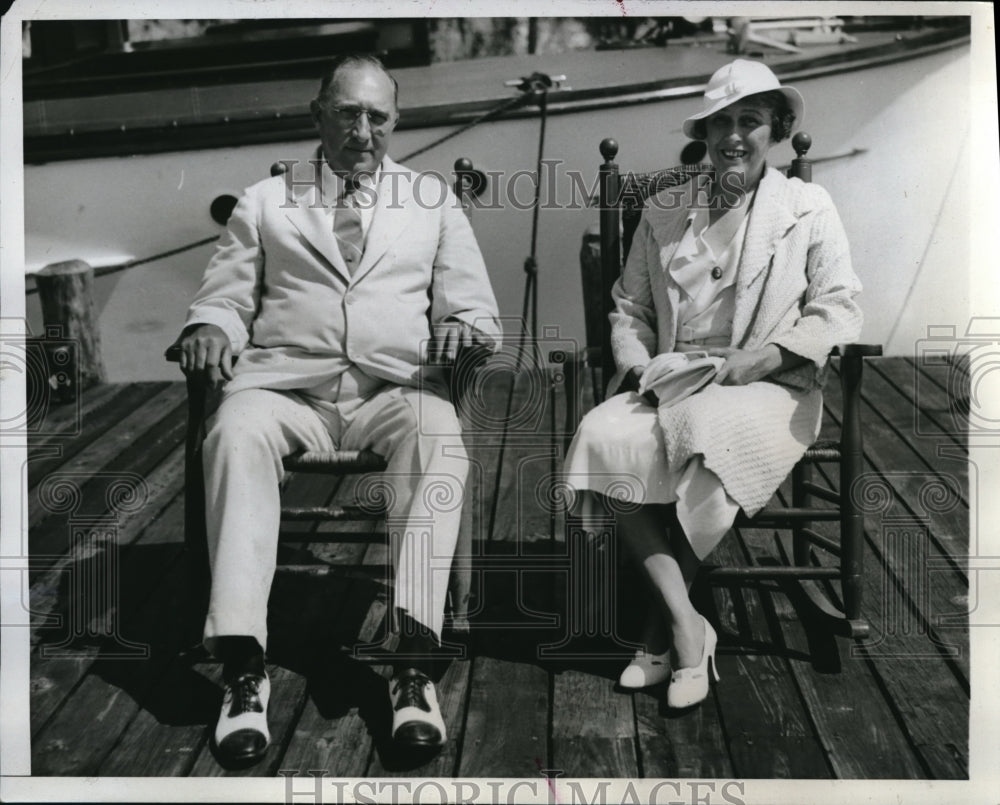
[(745, 366), (631, 383)]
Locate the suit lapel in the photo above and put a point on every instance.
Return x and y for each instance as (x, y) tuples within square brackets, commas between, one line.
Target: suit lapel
[(770, 220), (315, 223), (390, 217)]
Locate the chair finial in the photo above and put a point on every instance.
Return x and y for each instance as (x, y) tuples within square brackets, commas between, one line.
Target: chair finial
[(801, 142), (609, 149), (463, 164)]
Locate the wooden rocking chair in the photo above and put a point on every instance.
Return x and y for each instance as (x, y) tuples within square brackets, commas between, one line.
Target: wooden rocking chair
[(202, 402), (621, 201)]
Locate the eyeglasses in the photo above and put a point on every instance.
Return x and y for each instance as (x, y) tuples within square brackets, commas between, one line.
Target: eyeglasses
[(349, 115)]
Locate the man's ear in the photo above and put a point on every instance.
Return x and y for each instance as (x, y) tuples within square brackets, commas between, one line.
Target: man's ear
[(315, 111)]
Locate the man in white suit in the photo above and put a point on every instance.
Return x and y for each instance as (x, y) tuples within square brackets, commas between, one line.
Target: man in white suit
[(329, 285)]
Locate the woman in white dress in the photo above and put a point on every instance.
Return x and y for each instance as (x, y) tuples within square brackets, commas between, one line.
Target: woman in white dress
[(753, 269)]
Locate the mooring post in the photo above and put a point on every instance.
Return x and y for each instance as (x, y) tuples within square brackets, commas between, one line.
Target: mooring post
[(65, 291)]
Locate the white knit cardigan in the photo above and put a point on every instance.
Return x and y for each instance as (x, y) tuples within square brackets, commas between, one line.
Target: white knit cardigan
[(795, 288)]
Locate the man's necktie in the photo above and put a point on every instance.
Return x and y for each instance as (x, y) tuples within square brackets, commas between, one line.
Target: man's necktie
[(347, 228)]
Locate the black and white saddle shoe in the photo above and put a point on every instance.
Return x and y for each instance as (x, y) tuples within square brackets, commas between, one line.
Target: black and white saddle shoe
[(241, 735), (416, 716)]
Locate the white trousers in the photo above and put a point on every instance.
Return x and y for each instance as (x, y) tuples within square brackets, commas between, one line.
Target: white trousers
[(417, 432)]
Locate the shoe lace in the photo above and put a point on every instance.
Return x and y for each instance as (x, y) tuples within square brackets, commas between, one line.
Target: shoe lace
[(410, 690), (246, 695)]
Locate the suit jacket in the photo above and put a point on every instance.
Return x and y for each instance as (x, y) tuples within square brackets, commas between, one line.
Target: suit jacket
[(279, 288), (795, 286)]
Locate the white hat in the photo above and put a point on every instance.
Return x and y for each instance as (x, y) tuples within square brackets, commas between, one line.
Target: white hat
[(736, 81)]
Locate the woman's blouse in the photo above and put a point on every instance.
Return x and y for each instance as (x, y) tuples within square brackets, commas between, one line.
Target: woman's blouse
[(704, 267)]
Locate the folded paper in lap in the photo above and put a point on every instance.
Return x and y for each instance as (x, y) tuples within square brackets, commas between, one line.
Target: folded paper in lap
[(672, 376)]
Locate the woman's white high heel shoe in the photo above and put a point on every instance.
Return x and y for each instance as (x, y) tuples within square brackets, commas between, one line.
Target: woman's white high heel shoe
[(688, 686), (645, 669)]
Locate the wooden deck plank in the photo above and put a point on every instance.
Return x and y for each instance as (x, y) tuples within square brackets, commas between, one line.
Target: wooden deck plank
[(98, 416), (484, 445), (148, 444), (840, 692), (947, 595), (763, 715), (593, 727), (47, 592), (333, 731), (173, 727), (77, 739), (506, 733), (169, 732), (81, 737), (154, 717), (524, 463), (345, 697), (883, 396), (498, 493), (691, 746), (172, 731), (891, 452), (63, 422), (506, 729), (939, 421), (926, 691), (107, 450), (942, 392), (144, 572)]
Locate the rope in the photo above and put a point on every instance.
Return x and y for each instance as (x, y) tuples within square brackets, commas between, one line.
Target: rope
[(511, 103), (103, 271)]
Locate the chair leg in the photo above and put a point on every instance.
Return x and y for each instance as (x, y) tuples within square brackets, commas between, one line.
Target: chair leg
[(460, 583), (847, 622), (197, 570), (571, 386), (851, 467), (800, 499)]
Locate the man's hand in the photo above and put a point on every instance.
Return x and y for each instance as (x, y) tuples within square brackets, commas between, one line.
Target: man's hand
[(745, 366), (206, 349), (450, 336)]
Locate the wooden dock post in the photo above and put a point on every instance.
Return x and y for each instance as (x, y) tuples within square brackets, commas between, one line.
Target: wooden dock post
[(65, 291)]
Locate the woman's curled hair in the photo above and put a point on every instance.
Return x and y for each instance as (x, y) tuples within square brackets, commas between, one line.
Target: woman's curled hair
[(782, 116)]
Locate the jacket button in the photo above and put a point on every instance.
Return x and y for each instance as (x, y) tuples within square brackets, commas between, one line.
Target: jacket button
[(716, 273)]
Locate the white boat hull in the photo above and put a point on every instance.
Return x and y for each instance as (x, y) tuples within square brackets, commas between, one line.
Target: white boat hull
[(904, 201)]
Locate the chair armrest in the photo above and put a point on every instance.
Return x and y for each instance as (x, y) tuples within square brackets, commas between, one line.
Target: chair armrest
[(859, 350)]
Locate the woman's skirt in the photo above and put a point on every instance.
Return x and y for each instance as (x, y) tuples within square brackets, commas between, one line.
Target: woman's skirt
[(618, 451)]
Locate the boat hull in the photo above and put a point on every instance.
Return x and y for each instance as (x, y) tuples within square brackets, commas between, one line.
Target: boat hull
[(905, 122)]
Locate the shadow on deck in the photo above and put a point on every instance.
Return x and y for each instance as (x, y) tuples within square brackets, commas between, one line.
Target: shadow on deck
[(532, 687)]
